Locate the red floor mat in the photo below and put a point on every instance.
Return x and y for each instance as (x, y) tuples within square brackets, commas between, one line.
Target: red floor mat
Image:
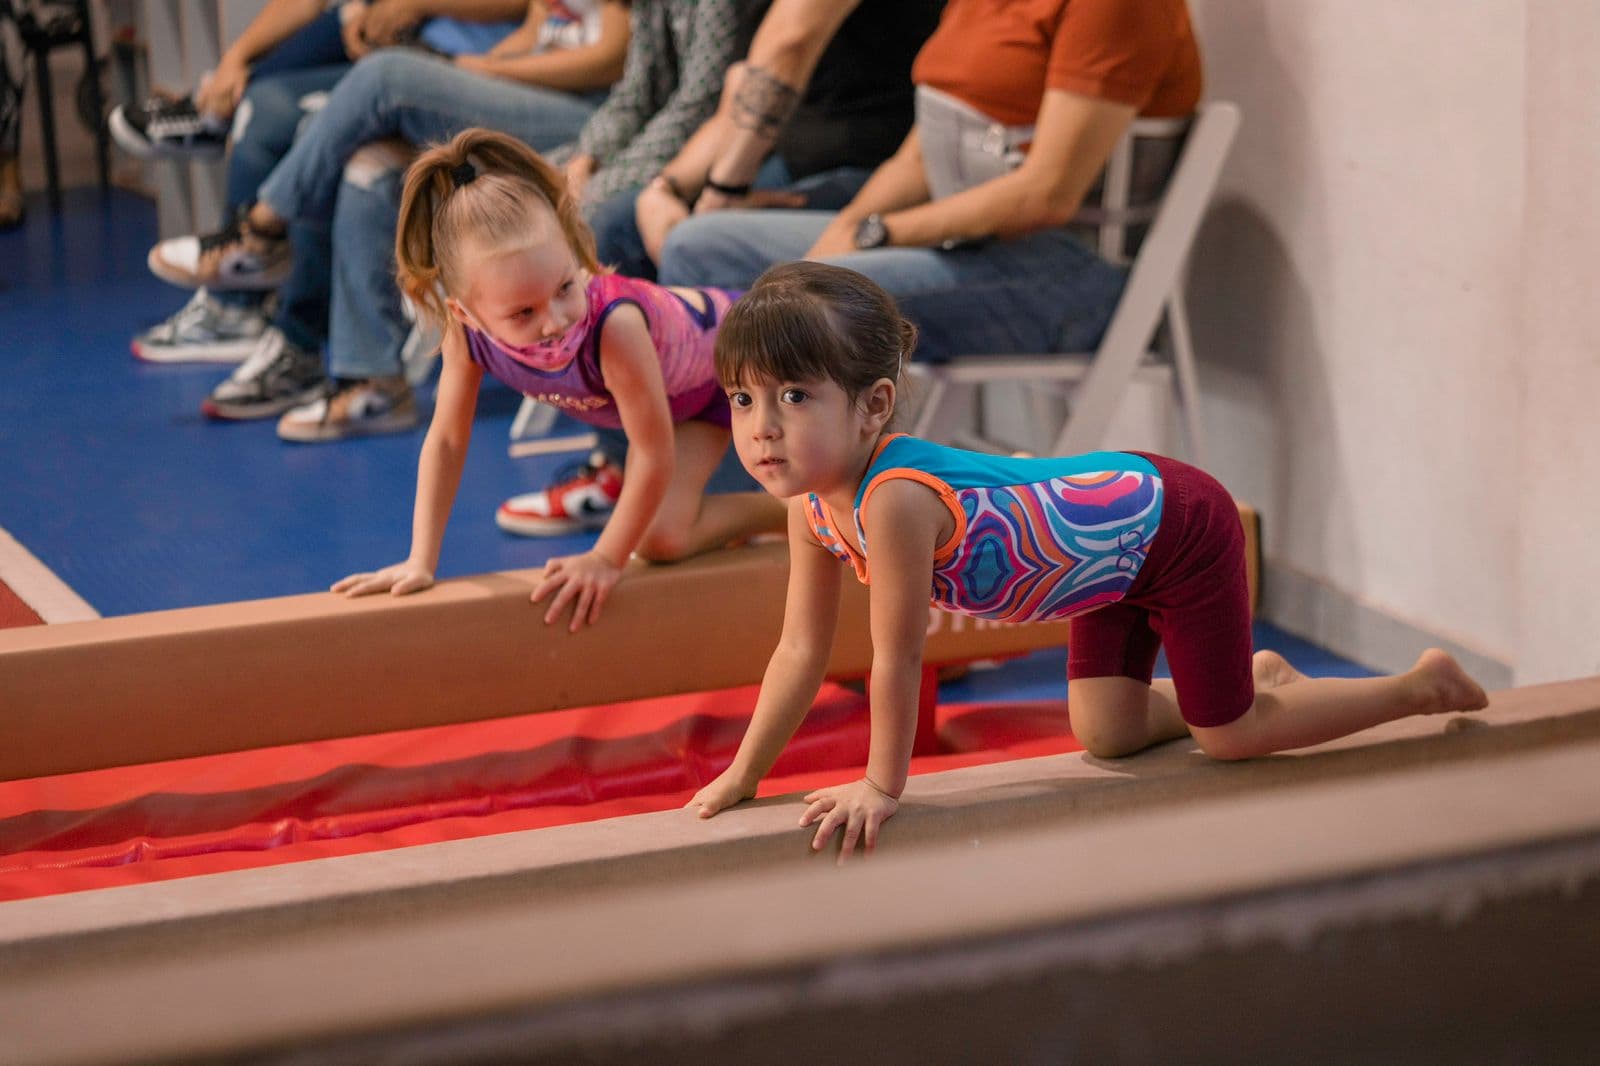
[(14, 612), (274, 805)]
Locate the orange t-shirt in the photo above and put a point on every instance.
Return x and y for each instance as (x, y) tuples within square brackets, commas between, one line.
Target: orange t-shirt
[(1001, 55)]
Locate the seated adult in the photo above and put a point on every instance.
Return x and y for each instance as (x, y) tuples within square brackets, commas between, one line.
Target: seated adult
[(264, 86), (541, 83), (823, 96), (1019, 104)]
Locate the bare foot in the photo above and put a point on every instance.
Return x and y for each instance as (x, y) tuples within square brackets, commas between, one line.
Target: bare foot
[(1271, 670), (1443, 686)]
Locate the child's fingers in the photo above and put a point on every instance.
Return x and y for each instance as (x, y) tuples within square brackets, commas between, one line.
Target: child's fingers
[(601, 594), (408, 584), (820, 804), (580, 612), (562, 598), (831, 821), (870, 833), (368, 583), (852, 833)]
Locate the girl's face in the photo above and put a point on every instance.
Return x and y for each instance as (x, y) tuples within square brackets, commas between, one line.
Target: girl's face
[(527, 300), (807, 436)]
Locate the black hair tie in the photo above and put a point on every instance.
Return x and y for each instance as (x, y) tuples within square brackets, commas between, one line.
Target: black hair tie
[(463, 173)]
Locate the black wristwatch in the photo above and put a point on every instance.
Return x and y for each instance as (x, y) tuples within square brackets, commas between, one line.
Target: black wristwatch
[(871, 232)]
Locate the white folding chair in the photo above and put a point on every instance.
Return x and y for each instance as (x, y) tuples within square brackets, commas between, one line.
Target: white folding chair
[(1094, 382)]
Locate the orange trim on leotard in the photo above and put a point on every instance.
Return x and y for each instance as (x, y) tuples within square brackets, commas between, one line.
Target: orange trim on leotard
[(946, 494)]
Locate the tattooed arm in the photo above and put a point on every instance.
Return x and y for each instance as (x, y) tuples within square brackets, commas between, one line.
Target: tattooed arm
[(759, 96)]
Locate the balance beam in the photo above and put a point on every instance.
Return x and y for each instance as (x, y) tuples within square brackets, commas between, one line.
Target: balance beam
[(1082, 888), (207, 680)]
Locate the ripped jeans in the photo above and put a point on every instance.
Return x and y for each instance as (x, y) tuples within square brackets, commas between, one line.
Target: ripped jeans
[(396, 93)]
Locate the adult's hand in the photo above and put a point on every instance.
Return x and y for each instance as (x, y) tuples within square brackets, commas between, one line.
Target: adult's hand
[(712, 201), (352, 29), (220, 92), (657, 211), (388, 23), (580, 168)]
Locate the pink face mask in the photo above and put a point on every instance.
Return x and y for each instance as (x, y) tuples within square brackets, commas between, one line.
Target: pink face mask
[(551, 356)]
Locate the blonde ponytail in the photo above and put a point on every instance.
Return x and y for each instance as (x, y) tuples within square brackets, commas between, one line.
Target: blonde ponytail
[(481, 186)]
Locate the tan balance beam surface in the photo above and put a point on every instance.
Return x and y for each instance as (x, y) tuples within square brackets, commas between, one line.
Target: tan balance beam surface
[(1087, 919), (976, 805), (206, 680)]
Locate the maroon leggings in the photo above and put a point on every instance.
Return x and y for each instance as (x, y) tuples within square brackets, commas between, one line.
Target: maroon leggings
[(1190, 597)]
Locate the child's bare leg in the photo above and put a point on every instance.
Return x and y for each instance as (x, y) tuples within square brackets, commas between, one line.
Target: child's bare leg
[(1113, 716), (1302, 711), (688, 521)]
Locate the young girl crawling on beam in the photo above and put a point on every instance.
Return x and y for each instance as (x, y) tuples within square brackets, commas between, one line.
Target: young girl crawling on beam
[(1142, 552)]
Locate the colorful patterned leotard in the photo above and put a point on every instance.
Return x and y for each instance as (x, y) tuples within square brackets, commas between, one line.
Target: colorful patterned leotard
[(684, 332), (1034, 540)]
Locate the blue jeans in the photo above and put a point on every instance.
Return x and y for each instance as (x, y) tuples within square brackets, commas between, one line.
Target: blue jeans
[(1046, 292), (310, 61), (417, 98)]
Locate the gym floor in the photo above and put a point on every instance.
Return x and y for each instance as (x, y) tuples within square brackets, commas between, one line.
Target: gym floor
[(111, 476)]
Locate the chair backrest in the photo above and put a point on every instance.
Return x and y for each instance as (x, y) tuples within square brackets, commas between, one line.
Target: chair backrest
[(1156, 270), (1120, 206)]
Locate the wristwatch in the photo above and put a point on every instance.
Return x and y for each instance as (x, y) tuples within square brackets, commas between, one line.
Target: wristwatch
[(871, 232)]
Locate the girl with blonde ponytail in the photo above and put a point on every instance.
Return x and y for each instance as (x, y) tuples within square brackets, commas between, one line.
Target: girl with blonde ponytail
[(491, 246)]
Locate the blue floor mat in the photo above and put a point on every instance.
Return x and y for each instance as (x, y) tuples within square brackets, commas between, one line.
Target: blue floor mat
[(113, 478)]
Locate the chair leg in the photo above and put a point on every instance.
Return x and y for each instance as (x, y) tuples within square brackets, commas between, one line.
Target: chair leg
[(47, 126), (534, 419), (1188, 378), (91, 71)]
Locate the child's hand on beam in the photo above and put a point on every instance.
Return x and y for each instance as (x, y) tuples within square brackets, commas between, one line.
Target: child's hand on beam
[(857, 809)]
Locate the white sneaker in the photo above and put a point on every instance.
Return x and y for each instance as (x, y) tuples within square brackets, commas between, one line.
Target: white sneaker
[(360, 408), (203, 331), (233, 259)]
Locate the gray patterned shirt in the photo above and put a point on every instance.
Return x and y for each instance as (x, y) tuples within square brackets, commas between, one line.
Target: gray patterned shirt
[(671, 81)]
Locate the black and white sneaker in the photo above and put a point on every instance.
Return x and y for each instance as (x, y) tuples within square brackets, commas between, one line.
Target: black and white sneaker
[(168, 129), (276, 377), (236, 258)]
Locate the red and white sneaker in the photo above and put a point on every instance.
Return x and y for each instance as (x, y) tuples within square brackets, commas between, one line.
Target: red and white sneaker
[(582, 497)]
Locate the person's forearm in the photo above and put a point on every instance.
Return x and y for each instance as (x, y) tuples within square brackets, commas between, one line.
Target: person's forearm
[(1008, 206), (788, 688), (276, 23), (897, 184), (782, 57), (896, 685), (573, 70), (688, 168), (644, 486), (438, 478), (469, 10)]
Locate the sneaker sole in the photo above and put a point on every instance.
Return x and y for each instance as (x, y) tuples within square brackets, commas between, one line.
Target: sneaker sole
[(185, 280), (224, 411), (323, 433), (137, 145), (526, 526), (218, 352)]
